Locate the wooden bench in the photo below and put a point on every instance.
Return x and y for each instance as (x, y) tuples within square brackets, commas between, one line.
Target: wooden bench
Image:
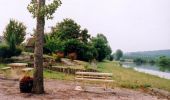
[(94, 77)]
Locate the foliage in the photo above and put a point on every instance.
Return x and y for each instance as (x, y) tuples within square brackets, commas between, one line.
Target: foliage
[(6, 52), (118, 54), (46, 10), (164, 61), (67, 36), (110, 57), (85, 52), (52, 44), (14, 36), (84, 36), (100, 43), (139, 61), (15, 33), (147, 55), (67, 29), (72, 45)]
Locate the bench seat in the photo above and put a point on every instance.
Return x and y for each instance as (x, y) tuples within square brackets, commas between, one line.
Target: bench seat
[(105, 78)]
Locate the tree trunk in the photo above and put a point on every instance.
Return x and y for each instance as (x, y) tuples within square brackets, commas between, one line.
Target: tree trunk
[(38, 81)]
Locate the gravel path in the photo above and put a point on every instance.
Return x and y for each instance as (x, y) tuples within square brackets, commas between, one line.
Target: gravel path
[(64, 90)]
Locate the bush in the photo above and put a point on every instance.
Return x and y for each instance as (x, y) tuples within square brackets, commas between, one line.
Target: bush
[(17, 52), (164, 61), (6, 52)]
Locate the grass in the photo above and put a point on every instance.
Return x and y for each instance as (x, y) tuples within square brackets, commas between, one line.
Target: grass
[(57, 75), (2, 65), (126, 77)]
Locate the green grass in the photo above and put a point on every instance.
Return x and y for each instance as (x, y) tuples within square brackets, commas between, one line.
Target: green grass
[(57, 75), (126, 77), (2, 65)]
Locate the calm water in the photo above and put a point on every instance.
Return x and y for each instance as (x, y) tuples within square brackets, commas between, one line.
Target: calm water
[(162, 72)]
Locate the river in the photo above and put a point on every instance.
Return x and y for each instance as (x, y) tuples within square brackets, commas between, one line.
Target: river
[(162, 72)]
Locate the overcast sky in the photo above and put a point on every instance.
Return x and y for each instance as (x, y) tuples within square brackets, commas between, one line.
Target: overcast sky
[(130, 25)]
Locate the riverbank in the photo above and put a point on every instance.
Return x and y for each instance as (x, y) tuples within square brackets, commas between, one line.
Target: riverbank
[(153, 69), (129, 78)]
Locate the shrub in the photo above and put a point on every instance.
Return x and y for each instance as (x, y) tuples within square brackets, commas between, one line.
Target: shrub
[(17, 52), (6, 52)]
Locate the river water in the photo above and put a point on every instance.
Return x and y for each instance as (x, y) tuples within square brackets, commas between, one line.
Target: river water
[(159, 71)]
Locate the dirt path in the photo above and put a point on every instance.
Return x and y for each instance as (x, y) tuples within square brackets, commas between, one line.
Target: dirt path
[(64, 90)]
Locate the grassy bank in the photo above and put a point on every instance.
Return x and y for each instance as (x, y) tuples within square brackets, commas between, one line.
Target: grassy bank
[(126, 77)]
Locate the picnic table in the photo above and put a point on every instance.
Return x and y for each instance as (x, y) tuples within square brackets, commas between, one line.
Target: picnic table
[(17, 65), (16, 68)]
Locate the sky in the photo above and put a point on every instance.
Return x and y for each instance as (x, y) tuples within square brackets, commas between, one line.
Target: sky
[(129, 25)]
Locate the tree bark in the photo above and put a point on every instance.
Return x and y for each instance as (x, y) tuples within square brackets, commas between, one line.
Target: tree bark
[(38, 81)]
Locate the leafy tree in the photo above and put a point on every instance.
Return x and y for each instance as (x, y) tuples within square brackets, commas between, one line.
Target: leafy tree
[(118, 54), (15, 33), (40, 11), (100, 43), (110, 57), (84, 36), (53, 44), (72, 45), (67, 29), (87, 52), (73, 38)]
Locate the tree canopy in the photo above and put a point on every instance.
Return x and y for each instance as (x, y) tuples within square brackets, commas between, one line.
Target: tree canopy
[(101, 44), (15, 32)]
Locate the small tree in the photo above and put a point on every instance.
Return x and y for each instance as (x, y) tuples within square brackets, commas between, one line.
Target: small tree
[(15, 33), (40, 11), (67, 29), (100, 43), (118, 54)]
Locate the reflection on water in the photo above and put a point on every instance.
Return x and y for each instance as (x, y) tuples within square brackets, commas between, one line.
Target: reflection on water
[(163, 72)]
